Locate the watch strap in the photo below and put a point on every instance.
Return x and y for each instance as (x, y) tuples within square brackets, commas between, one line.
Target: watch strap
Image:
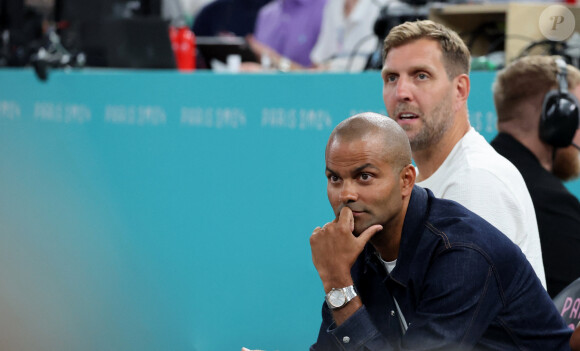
[(348, 292)]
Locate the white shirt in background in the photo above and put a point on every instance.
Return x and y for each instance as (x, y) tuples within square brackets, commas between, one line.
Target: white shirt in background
[(345, 44)]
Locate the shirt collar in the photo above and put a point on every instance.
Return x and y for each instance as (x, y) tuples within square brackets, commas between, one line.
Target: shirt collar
[(412, 231), (514, 144)]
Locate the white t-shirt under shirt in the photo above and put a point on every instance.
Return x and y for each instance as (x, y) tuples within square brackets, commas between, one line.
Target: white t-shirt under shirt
[(390, 265), (485, 182)]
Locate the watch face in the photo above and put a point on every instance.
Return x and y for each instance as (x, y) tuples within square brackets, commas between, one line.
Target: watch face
[(336, 298)]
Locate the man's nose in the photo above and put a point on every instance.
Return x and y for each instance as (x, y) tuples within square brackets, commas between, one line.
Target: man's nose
[(403, 89), (348, 193)]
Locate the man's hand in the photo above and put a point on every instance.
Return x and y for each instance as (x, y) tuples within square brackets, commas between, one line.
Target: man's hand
[(335, 249)]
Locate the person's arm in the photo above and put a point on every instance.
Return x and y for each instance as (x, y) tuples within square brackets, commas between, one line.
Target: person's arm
[(458, 303), (334, 251), (459, 300), (358, 332), (325, 47), (278, 61)]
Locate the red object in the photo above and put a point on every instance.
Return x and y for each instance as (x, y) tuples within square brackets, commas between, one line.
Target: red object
[(183, 44)]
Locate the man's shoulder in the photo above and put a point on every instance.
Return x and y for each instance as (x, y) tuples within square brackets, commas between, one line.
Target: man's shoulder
[(518, 154), (548, 192), (476, 174), (478, 162), (480, 155), (445, 212), (491, 186), (473, 158), (458, 226)]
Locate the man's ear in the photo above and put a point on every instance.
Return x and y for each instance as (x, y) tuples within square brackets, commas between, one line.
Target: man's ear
[(462, 87), (407, 177)]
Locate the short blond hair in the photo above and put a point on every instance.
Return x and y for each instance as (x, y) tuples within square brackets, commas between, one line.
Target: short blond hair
[(526, 80), (456, 56)]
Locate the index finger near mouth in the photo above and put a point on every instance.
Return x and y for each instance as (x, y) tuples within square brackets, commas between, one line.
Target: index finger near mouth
[(345, 215)]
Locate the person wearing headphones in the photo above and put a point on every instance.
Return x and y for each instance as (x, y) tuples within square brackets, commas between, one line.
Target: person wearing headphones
[(538, 132)]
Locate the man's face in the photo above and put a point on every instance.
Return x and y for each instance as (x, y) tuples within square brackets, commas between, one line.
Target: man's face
[(418, 93), (567, 161), (361, 178)]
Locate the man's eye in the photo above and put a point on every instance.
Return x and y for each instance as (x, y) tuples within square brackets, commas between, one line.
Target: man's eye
[(422, 76), (365, 176), (391, 78), (333, 178)]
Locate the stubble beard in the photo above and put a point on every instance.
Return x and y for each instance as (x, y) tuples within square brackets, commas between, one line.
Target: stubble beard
[(566, 164), (433, 128)]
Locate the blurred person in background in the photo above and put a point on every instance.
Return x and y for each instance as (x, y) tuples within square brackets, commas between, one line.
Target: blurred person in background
[(286, 31), (522, 101), (182, 12), (227, 18), (346, 38), (192, 8)]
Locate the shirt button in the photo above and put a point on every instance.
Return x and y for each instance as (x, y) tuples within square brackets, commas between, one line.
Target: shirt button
[(392, 313), (346, 340)]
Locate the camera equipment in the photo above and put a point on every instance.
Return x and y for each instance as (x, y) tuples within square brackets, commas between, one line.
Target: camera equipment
[(54, 55), (391, 15), (398, 12)]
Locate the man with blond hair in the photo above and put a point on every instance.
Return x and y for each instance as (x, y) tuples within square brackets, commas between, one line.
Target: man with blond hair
[(425, 90), (537, 135)]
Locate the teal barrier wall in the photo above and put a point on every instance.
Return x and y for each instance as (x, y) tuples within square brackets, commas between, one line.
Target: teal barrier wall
[(163, 211)]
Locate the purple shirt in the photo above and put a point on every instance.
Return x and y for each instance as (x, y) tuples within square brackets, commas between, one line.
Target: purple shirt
[(290, 27)]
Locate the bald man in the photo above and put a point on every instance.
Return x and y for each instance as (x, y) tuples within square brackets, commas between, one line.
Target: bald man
[(403, 270)]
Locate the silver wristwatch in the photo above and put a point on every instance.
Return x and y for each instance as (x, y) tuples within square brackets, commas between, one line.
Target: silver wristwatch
[(337, 298)]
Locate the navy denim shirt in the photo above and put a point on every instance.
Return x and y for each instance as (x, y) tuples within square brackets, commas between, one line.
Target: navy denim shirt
[(460, 284)]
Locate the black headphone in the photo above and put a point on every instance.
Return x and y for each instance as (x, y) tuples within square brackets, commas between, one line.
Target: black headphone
[(560, 114)]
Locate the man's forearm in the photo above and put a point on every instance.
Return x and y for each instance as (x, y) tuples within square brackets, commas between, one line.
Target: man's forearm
[(342, 314), (358, 332)]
